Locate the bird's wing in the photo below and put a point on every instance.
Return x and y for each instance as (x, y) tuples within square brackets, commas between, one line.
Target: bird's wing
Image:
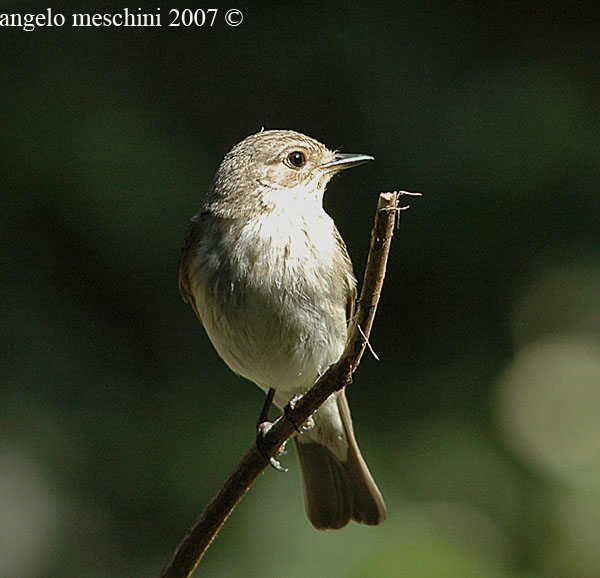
[(350, 280), (185, 257)]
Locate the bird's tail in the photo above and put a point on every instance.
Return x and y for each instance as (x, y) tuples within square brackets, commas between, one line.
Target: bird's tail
[(337, 490)]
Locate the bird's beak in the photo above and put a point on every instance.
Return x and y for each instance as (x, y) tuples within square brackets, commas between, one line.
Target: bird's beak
[(345, 161)]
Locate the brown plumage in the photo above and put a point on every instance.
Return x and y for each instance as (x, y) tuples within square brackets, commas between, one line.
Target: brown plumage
[(268, 274)]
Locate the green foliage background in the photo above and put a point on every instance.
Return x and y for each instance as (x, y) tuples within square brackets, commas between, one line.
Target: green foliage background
[(482, 419)]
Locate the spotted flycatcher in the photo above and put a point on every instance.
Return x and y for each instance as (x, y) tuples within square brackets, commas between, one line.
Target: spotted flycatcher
[(269, 276)]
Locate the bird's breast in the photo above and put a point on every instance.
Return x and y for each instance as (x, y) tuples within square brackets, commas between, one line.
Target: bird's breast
[(270, 300)]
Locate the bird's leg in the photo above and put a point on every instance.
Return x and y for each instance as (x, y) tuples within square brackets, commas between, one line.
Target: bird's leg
[(264, 412), (262, 427)]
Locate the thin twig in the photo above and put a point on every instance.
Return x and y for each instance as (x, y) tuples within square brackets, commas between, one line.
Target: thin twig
[(370, 347), (202, 533)]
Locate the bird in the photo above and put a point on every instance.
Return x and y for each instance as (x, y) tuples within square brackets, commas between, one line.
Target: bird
[(268, 274)]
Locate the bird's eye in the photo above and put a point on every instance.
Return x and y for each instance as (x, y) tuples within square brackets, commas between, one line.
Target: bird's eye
[(296, 159)]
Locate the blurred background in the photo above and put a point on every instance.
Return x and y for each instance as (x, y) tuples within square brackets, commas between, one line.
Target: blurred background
[(481, 422)]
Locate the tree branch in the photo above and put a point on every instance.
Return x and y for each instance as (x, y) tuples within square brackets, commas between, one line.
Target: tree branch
[(202, 533)]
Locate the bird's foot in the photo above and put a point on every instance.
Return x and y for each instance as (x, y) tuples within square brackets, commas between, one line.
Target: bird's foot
[(288, 411), (262, 428)]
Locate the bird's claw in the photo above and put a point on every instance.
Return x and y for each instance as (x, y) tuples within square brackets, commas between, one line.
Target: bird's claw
[(288, 410), (276, 465), (261, 431)]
